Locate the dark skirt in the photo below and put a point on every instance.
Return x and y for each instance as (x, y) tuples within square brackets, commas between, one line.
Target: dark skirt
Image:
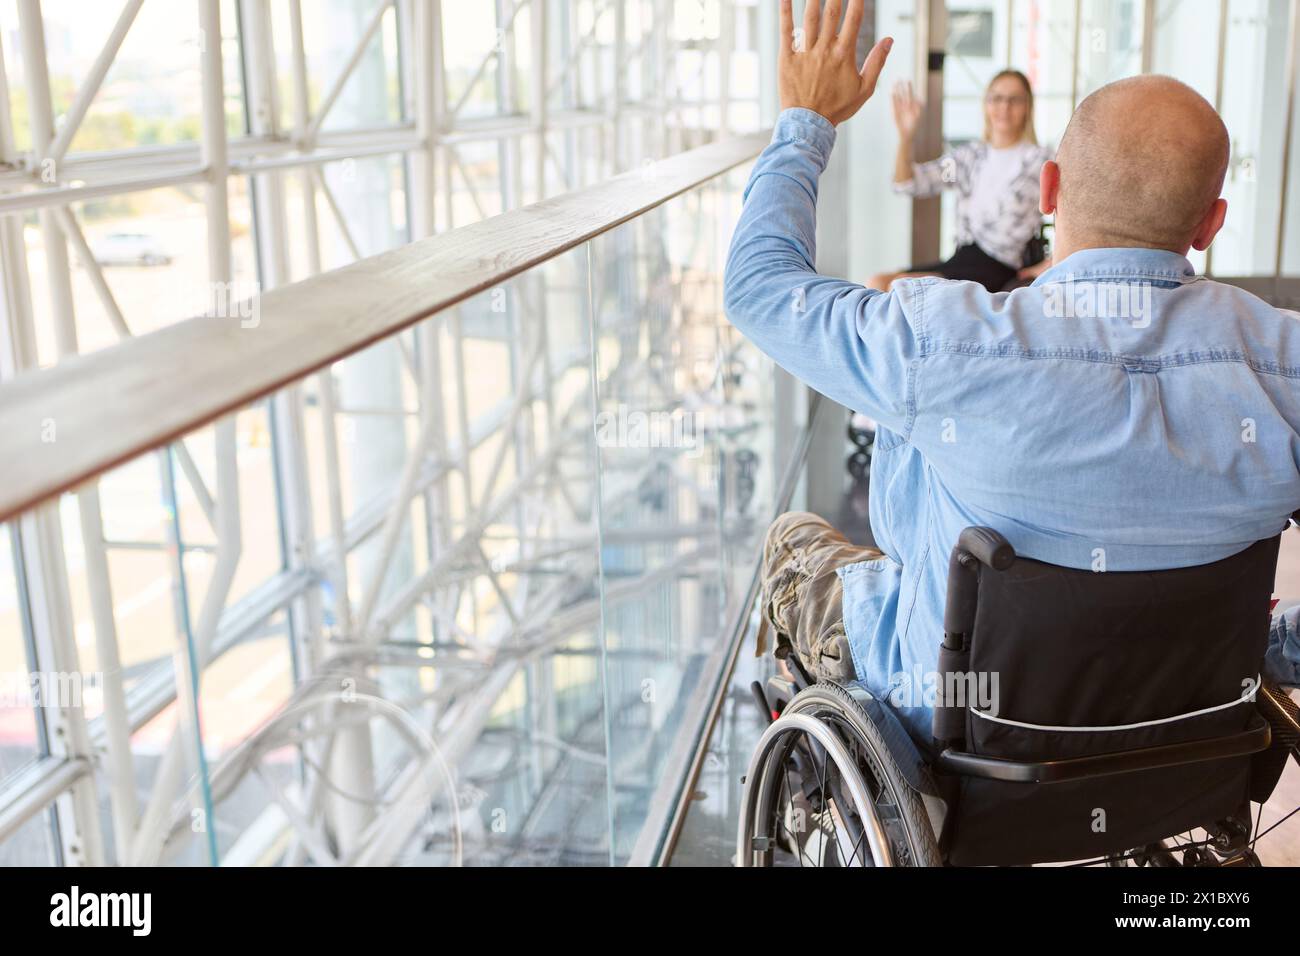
[(972, 263)]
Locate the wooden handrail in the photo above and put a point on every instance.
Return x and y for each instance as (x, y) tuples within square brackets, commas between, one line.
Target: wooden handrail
[(110, 406)]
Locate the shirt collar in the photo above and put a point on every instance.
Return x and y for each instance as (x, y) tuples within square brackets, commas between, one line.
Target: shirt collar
[(1119, 263)]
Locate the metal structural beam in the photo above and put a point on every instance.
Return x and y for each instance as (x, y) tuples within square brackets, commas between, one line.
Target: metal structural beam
[(456, 558)]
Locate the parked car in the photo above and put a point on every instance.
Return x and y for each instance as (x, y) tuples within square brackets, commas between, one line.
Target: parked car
[(130, 249)]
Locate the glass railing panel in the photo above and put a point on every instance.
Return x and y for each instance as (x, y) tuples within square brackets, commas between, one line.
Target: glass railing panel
[(456, 711), (658, 499), (531, 770), (687, 459), (403, 609), (240, 692)]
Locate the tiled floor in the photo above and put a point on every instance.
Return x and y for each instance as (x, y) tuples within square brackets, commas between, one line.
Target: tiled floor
[(1282, 846), (709, 834)]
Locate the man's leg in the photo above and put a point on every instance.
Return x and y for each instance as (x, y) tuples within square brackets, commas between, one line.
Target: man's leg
[(801, 595), (1282, 659)]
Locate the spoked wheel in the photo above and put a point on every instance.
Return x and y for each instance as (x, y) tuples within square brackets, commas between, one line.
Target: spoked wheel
[(824, 790)]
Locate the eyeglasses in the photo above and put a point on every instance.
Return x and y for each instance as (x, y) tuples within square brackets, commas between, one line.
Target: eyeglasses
[(997, 99)]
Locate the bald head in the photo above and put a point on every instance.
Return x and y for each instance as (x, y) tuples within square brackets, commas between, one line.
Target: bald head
[(1141, 164)]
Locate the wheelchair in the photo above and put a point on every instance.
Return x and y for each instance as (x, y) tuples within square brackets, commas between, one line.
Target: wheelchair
[(1035, 252), (1128, 713)]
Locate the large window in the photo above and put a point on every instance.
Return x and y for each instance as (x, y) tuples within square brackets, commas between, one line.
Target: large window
[(129, 202), (1234, 54)]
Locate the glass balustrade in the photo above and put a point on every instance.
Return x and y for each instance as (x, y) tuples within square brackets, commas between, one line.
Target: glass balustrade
[(480, 585)]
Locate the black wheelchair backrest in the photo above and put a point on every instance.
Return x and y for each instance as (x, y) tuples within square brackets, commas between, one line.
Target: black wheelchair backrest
[(1051, 679)]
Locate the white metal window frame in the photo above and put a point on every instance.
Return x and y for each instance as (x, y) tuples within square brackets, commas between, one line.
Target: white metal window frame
[(268, 155)]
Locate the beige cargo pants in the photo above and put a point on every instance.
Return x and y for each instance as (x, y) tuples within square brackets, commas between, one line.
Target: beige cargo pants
[(801, 595)]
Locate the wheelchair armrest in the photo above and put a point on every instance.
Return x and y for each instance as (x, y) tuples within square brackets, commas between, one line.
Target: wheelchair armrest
[(1252, 740), (988, 547), (974, 544)]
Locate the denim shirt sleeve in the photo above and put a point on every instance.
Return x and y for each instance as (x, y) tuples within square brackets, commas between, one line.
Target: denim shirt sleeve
[(852, 344), (1282, 659)]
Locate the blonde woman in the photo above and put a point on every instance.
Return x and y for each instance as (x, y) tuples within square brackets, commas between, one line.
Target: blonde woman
[(997, 181)]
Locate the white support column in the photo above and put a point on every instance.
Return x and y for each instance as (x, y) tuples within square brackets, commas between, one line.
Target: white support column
[(192, 655), (46, 528), (54, 629), (426, 49), (1009, 38), (539, 85), (373, 377), (768, 44), (726, 37), (214, 154), (41, 118), (1292, 57), (17, 333), (40, 542), (325, 378), (286, 406), (1221, 46), (213, 147), (1148, 34), (1076, 54), (618, 94), (663, 70)]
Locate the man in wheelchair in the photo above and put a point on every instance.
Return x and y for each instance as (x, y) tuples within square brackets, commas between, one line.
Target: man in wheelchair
[(1062, 648)]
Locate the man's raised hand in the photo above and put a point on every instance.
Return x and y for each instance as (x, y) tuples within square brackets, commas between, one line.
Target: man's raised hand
[(818, 68)]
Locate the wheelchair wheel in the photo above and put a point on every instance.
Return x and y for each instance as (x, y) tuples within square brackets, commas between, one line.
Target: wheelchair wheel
[(823, 789)]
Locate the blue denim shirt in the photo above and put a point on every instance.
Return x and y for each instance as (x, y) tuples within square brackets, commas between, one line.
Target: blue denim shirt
[(1122, 413)]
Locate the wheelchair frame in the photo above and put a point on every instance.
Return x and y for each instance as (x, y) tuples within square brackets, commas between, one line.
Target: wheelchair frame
[(901, 771), (983, 546)]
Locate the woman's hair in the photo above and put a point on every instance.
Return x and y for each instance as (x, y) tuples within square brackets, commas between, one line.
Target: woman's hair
[(1027, 135)]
